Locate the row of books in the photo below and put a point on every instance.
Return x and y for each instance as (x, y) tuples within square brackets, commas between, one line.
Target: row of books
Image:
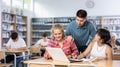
[(19, 20), (7, 27), (58, 19), (10, 18)]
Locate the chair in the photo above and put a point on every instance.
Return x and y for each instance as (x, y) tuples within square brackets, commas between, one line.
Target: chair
[(34, 51), (2, 56), (81, 65), (40, 64)]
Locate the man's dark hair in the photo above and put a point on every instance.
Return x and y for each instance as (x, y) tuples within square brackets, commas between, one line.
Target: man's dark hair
[(14, 35), (81, 13), (44, 34)]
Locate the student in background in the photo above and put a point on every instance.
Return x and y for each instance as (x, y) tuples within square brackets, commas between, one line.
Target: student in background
[(42, 43), (81, 30), (114, 40), (100, 46), (16, 43), (59, 40)]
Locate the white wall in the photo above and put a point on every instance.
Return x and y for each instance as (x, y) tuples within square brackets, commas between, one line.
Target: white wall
[(60, 8)]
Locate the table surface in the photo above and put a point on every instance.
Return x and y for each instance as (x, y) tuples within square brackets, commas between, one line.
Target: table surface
[(100, 63), (14, 53)]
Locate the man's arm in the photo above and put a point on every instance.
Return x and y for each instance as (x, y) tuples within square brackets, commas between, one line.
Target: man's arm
[(67, 32), (92, 30)]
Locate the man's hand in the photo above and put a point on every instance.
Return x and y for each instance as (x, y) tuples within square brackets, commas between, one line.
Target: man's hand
[(70, 38)]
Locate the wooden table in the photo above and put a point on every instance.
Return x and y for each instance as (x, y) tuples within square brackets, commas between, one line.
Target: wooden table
[(116, 55), (100, 63), (5, 65), (13, 52)]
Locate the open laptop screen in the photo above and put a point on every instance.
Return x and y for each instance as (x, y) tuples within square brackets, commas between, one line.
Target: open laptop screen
[(58, 54)]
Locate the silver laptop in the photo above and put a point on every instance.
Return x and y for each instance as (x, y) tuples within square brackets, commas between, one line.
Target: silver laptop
[(58, 54)]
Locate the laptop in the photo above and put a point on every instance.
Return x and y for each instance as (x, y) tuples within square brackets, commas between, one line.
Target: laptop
[(58, 54)]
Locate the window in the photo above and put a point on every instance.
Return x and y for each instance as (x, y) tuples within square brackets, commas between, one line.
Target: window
[(7, 2), (28, 5), (17, 4)]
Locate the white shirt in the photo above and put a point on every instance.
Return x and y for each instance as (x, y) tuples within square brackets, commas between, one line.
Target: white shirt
[(42, 42), (98, 51), (17, 44)]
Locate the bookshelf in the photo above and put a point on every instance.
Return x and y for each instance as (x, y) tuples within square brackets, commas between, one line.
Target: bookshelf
[(108, 22), (64, 21), (13, 22), (40, 25), (21, 26), (96, 20), (112, 23)]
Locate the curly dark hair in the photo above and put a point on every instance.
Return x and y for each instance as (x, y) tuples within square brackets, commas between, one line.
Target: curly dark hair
[(104, 35)]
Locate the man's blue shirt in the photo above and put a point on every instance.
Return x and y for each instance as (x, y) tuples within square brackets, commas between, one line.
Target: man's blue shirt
[(82, 34)]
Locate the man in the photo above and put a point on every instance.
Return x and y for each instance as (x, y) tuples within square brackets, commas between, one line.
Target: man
[(16, 43), (81, 30), (42, 43)]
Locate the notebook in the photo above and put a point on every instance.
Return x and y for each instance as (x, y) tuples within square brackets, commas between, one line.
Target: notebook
[(58, 54)]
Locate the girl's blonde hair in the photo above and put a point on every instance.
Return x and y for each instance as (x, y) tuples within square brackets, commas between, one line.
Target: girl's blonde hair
[(57, 26)]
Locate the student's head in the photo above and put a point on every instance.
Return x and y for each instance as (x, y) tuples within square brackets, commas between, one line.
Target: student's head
[(81, 17), (14, 36), (113, 36), (57, 32), (44, 36), (103, 35)]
